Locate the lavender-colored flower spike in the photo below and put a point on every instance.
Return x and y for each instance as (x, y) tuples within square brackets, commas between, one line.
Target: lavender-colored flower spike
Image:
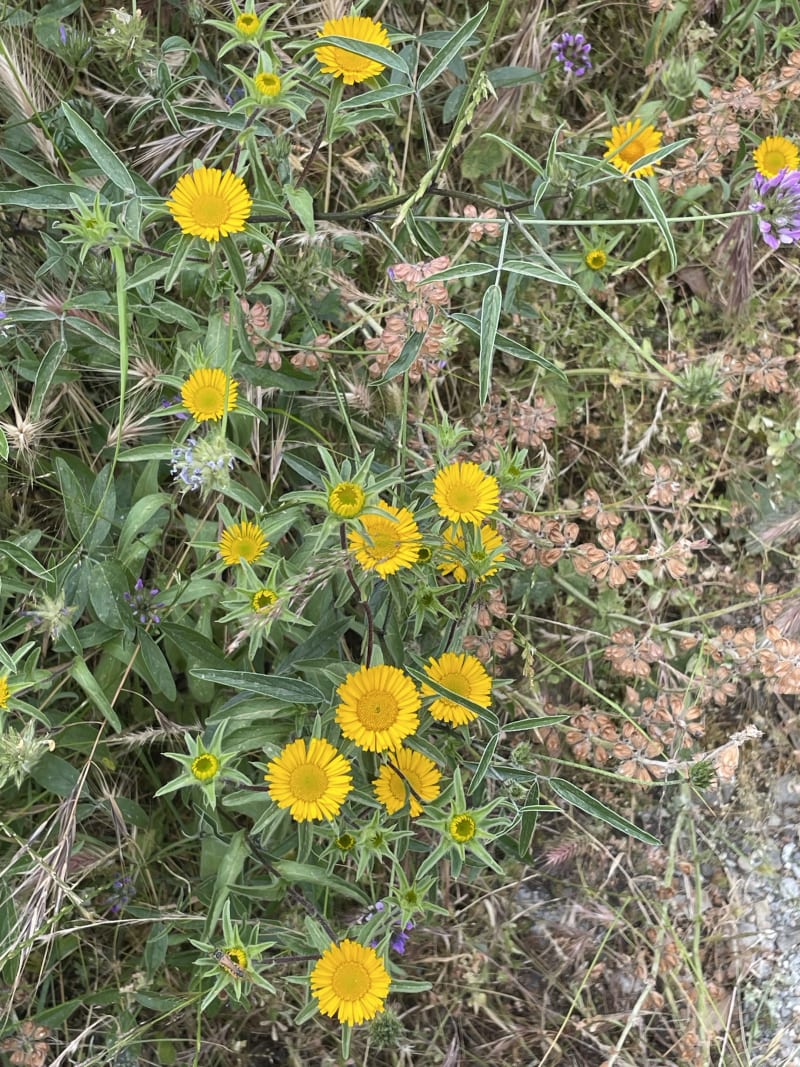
[(777, 204), (572, 50)]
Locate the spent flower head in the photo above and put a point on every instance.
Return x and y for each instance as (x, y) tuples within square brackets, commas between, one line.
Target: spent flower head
[(203, 464), (572, 51), (776, 201), (20, 750)]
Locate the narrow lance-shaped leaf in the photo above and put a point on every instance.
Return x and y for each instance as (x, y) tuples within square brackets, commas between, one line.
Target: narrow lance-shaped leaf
[(490, 320)]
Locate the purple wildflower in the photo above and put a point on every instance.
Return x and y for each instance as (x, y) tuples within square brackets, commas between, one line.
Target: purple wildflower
[(778, 205), (142, 604), (62, 32), (123, 893), (2, 304), (572, 50)]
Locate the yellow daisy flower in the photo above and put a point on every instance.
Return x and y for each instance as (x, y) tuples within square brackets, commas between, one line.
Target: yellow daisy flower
[(418, 780), (775, 154), (248, 24), (341, 63), (5, 692), (312, 782), (463, 674), (267, 85), (351, 982), (629, 143), (378, 707), (595, 259), (263, 599), (463, 493), (463, 828), (209, 204), (455, 546), (205, 766), (208, 393), (346, 500), (242, 541), (389, 542)]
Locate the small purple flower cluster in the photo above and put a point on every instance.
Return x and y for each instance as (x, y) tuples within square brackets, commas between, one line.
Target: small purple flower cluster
[(202, 464), (399, 938), (778, 207), (123, 893), (143, 606), (572, 50)]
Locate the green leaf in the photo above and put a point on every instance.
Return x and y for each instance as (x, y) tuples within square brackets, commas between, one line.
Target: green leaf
[(44, 376), (527, 826), (385, 56), (302, 205), (461, 270), (445, 56), (521, 155), (28, 168), (376, 96), (304, 872), (107, 588), (106, 159), (3, 445), (194, 646), (55, 774), (484, 763), (138, 517), (491, 306), (576, 796), (23, 558), (509, 345), (407, 356), (86, 680), (157, 667), (292, 690), (533, 724), (652, 206), (46, 196), (531, 269)]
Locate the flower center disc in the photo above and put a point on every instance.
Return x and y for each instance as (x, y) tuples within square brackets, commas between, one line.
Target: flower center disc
[(634, 151), (210, 210), (457, 682), (377, 711), (350, 981), (774, 161), (309, 782), (352, 62), (208, 399), (461, 498), (384, 545)]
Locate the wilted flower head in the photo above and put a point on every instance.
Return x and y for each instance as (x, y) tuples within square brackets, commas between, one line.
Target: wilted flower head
[(203, 464), (572, 50), (777, 202), (51, 614), (20, 751)]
